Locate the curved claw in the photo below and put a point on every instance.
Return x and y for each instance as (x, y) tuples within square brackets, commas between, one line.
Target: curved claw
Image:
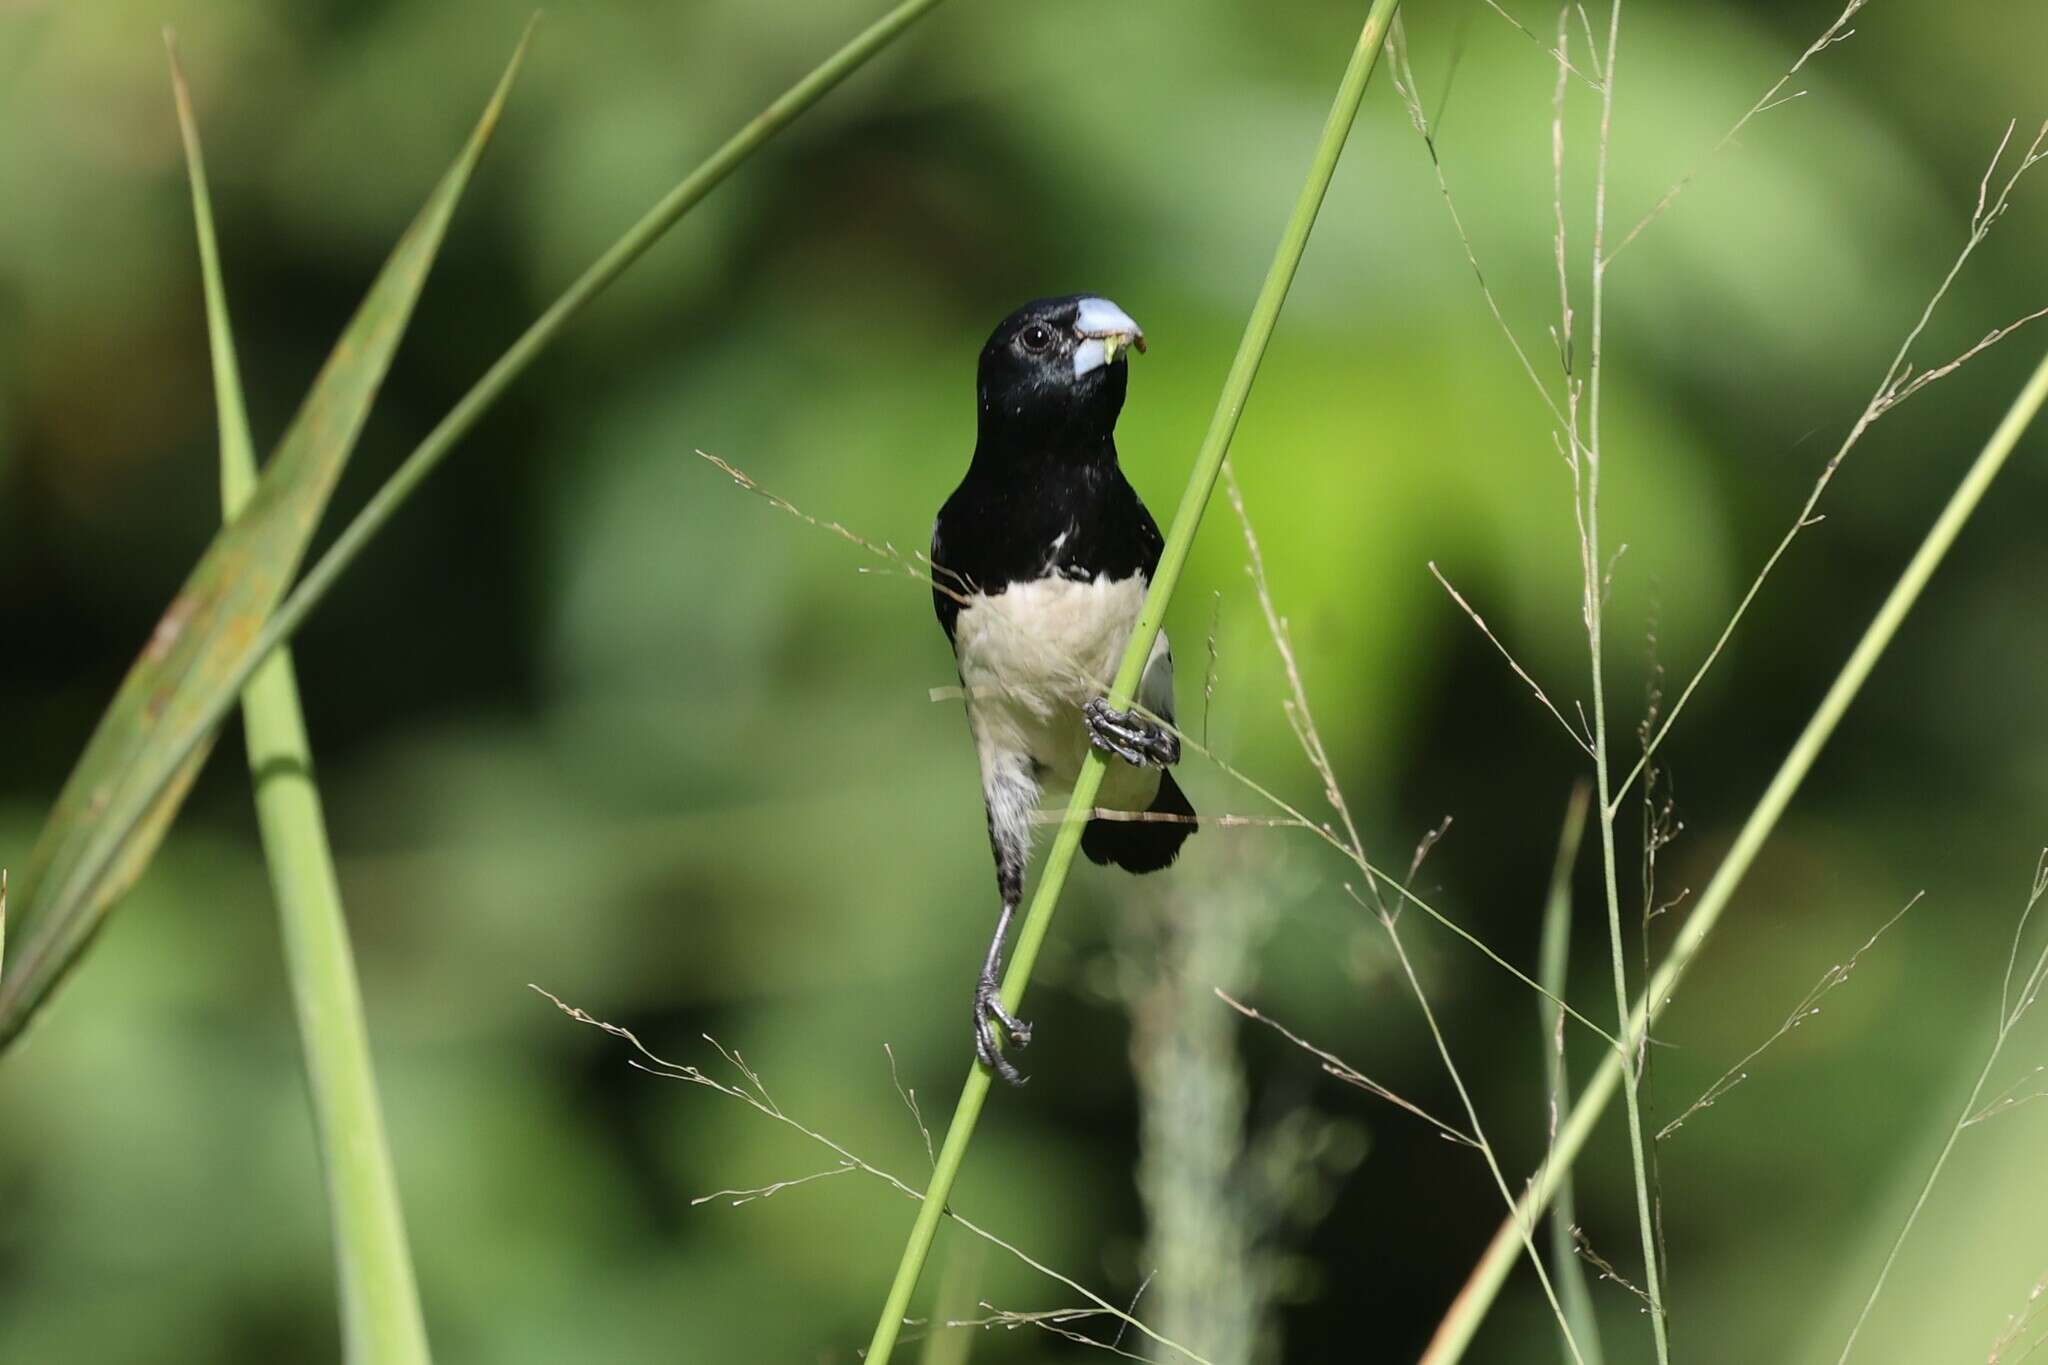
[(1129, 736), (989, 1015)]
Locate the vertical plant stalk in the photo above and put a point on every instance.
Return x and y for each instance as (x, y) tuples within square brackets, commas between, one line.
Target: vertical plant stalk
[(1302, 720), (2010, 1008), (115, 843), (1173, 558), (381, 1322), (1455, 1333), (1554, 960), (729, 157), (945, 1344), (150, 742), (1595, 592)]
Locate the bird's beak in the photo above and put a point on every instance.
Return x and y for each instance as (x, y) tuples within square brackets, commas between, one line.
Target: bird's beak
[(1104, 330)]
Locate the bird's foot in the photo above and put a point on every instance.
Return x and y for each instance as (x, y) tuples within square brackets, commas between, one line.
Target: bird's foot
[(1137, 741), (989, 1016)]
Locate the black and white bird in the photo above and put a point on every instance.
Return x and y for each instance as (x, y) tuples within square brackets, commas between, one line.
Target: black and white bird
[(1041, 560)]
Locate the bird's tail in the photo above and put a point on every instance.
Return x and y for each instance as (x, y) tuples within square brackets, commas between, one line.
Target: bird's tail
[(1143, 845)]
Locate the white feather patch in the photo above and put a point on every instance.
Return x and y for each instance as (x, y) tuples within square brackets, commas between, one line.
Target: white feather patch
[(1030, 658)]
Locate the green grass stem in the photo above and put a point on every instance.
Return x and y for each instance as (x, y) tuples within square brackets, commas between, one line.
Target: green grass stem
[(347, 546), (99, 846), (1553, 961), (150, 742), (956, 1302), (1595, 599), (381, 1322), (1460, 1324), (729, 157), (2010, 1008), (1173, 558)]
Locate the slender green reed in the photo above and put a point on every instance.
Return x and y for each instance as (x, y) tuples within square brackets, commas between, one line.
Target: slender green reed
[(150, 742), (404, 481), (381, 1322), (1595, 600), (729, 157), (2010, 1007), (1462, 1321), (956, 1301), (1554, 958), (119, 837), (1173, 558)]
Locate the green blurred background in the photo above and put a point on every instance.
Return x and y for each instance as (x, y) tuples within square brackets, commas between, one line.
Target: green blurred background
[(590, 717)]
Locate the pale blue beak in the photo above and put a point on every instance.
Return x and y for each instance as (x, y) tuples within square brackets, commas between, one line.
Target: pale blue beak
[(1104, 330)]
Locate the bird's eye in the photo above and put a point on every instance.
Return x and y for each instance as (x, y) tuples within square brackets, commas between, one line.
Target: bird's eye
[(1037, 337)]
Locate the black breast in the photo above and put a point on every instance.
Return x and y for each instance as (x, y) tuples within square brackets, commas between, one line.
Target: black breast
[(1024, 522)]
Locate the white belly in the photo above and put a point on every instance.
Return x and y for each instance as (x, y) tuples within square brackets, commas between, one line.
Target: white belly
[(1031, 656)]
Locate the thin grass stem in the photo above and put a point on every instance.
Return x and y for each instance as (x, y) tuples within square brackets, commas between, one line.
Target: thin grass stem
[(1336, 1066), (1554, 960), (159, 786), (1807, 1008), (1462, 1321), (920, 568), (1173, 558), (954, 1304), (1769, 100), (2008, 1015), (608, 267), (1594, 608), (1898, 384), (1310, 738), (752, 1091), (381, 1321), (1525, 1226)]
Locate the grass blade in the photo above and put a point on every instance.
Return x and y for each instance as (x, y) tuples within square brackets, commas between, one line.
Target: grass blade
[(1554, 955), (236, 661), (1455, 1333), (1180, 537), (944, 1345), (380, 1310), (751, 137), (129, 783)]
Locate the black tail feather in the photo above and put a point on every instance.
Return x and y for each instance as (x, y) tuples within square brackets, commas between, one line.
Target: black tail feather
[(1143, 845)]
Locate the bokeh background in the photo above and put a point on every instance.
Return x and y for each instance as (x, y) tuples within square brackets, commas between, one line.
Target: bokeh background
[(589, 716)]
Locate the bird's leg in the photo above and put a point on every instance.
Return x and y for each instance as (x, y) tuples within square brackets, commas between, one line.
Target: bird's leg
[(989, 1014), (1011, 795), (1137, 741)]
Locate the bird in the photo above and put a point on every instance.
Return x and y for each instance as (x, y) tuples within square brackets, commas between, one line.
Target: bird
[(1040, 562)]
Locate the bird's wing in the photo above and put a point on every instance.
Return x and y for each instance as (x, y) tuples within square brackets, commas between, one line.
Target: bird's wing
[(1151, 543), (1155, 685)]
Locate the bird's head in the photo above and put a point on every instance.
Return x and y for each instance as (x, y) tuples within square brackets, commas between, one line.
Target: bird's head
[(1054, 369)]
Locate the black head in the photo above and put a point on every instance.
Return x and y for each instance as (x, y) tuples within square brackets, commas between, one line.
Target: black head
[(1053, 372)]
